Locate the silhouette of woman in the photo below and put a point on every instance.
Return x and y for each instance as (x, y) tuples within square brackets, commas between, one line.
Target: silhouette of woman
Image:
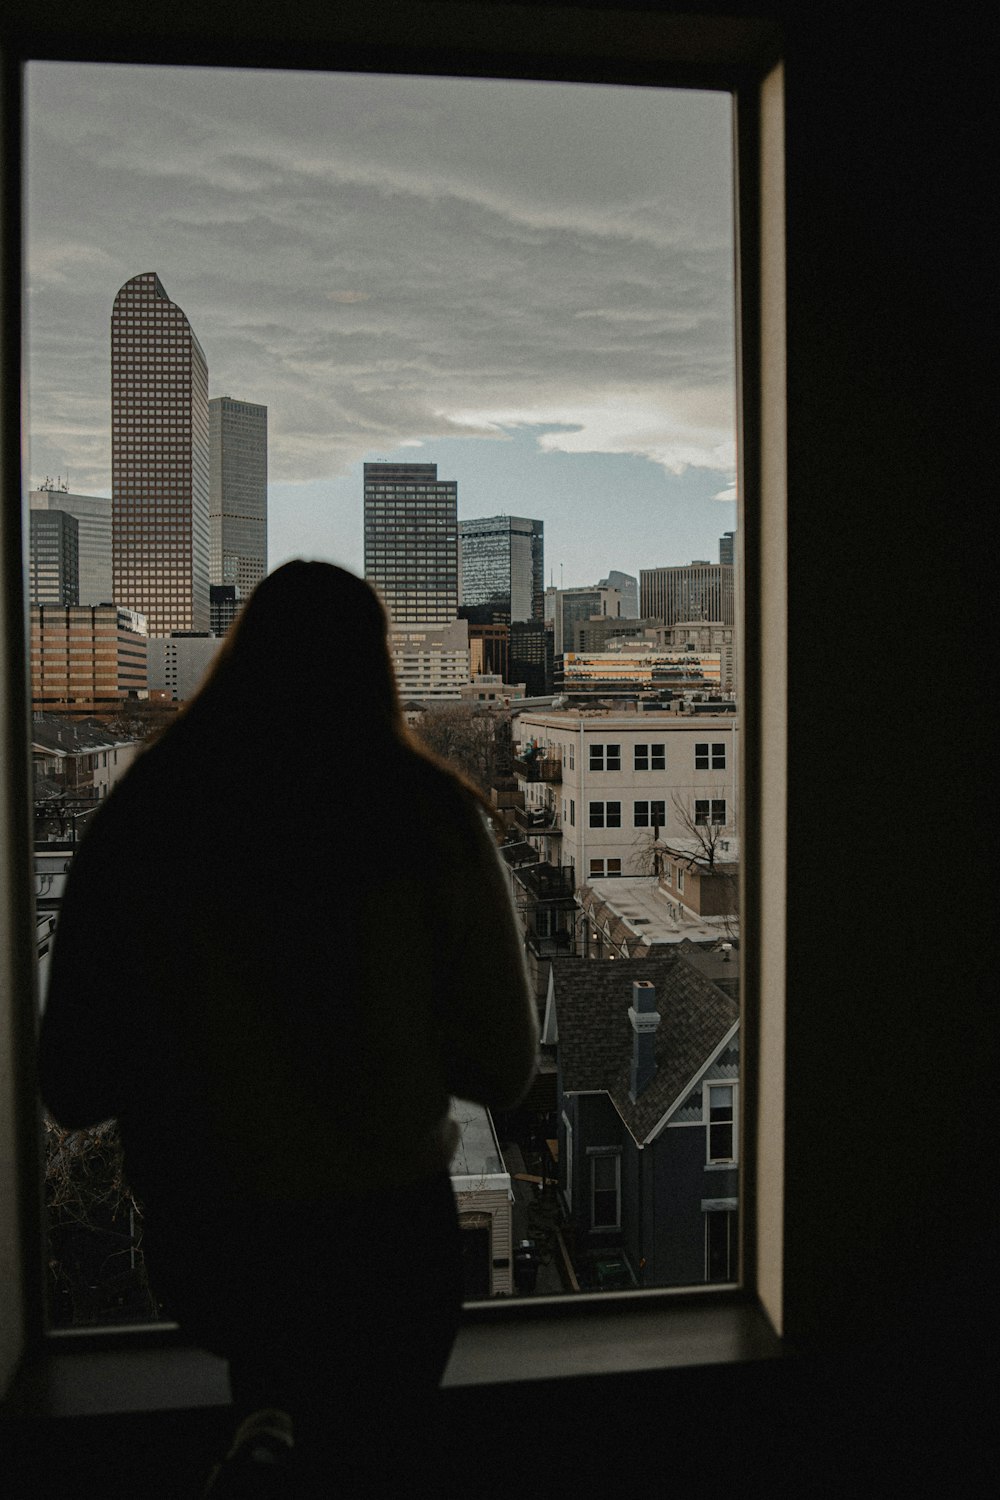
[(285, 942)]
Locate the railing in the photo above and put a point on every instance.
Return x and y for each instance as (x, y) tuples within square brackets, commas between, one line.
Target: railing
[(539, 770)]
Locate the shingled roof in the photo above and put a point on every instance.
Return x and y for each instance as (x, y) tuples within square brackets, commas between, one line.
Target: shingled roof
[(592, 1000)]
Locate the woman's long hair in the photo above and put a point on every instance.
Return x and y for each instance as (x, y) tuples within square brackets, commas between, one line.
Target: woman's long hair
[(307, 656)]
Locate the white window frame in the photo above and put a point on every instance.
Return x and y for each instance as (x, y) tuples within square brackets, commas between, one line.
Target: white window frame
[(710, 755), (709, 820), (709, 1085)]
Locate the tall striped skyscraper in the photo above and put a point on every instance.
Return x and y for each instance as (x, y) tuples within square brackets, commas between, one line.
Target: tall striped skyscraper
[(159, 460)]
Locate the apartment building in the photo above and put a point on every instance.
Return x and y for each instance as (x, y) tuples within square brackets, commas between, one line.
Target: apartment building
[(598, 784)]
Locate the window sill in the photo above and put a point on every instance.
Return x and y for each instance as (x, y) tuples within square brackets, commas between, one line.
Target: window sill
[(619, 1334)]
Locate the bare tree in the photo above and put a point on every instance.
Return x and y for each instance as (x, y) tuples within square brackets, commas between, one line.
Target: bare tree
[(95, 1260), (479, 744)]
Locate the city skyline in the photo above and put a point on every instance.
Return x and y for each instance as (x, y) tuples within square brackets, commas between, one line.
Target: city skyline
[(528, 284)]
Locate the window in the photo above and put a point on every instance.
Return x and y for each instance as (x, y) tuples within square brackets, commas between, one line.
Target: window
[(710, 757), (649, 814), (605, 757), (650, 758), (720, 1105), (710, 812), (721, 1253), (605, 1189), (605, 815), (601, 867), (572, 812)]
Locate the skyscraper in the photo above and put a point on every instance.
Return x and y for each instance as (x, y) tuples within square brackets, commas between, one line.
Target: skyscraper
[(237, 507), (53, 558), (699, 591), (411, 542), (502, 569), (159, 460), (92, 514), (727, 548)]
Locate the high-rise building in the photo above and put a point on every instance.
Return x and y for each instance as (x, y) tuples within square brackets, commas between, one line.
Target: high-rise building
[(92, 514), (727, 548), (501, 569), (699, 591), (628, 586), (53, 558), (568, 607), (159, 460), (411, 542), (237, 505)]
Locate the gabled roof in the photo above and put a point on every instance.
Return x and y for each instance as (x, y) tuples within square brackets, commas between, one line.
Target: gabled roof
[(592, 999)]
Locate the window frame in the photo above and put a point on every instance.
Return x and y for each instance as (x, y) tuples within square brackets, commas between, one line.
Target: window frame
[(741, 57)]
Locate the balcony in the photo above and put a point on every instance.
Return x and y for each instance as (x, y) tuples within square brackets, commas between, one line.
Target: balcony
[(536, 819), (540, 769)]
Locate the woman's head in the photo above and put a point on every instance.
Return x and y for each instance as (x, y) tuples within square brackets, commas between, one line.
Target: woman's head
[(311, 642)]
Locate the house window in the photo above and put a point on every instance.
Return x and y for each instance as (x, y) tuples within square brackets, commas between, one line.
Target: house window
[(605, 815), (710, 757), (649, 814), (605, 757), (649, 758), (710, 812), (680, 878), (572, 813), (597, 867), (721, 1254), (614, 866), (572, 756), (605, 1189), (720, 1104)]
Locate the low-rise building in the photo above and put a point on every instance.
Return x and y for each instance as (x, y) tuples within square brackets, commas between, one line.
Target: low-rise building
[(601, 788), (87, 659), (648, 1084), (178, 663), (484, 1199)]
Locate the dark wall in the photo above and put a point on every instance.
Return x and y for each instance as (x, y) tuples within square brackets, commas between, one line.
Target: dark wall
[(891, 1039)]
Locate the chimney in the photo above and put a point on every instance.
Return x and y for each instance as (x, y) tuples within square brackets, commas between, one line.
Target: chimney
[(645, 1018)]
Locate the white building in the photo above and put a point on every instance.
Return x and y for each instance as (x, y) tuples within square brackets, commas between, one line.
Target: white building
[(597, 783), (431, 661), (92, 514), (484, 1198), (178, 663)]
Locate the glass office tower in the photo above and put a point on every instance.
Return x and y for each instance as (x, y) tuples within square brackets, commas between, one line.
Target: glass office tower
[(411, 542)]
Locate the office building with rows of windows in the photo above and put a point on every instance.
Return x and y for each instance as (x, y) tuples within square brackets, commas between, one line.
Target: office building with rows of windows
[(159, 460), (411, 542), (697, 591), (92, 514), (237, 505), (502, 569), (53, 558), (86, 660)]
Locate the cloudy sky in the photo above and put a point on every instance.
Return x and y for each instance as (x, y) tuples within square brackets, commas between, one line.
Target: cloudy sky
[(528, 284)]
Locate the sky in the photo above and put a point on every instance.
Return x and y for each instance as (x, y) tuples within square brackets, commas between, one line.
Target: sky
[(528, 284)]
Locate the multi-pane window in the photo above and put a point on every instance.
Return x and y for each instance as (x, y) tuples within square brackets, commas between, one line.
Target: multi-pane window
[(602, 867), (721, 1122), (710, 811), (721, 1245), (605, 815), (605, 1190), (605, 757), (649, 757), (649, 814), (709, 756)]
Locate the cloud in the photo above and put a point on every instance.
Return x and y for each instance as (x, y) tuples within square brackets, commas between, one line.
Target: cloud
[(386, 261)]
